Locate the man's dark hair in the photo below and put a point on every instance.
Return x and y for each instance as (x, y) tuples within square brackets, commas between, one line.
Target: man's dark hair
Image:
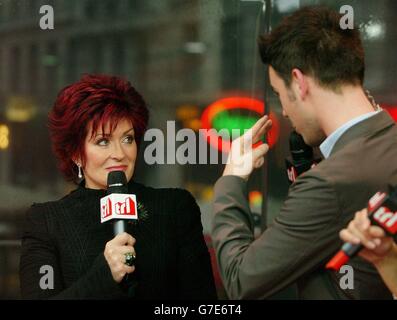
[(312, 40)]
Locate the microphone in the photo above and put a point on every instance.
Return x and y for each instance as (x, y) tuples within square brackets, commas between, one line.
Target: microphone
[(382, 209), (118, 205), (301, 159)]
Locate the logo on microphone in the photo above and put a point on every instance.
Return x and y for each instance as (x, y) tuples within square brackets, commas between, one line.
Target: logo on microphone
[(292, 174), (376, 200), (118, 206), (386, 219)]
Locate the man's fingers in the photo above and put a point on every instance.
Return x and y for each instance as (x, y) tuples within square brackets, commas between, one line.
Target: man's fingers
[(254, 134), (262, 131), (259, 124), (258, 163), (259, 152)]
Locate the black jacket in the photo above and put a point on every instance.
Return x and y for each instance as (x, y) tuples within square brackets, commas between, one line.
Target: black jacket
[(172, 258)]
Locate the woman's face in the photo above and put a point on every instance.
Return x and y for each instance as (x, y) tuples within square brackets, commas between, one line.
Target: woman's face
[(105, 153)]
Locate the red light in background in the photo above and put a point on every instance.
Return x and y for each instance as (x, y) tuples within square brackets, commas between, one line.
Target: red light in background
[(230, 103), (392, 110), (274, 132)]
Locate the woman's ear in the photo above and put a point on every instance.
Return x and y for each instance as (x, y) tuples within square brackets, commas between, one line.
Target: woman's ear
[(77, 161)]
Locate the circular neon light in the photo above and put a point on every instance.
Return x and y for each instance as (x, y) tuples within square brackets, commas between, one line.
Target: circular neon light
[(221, 106)]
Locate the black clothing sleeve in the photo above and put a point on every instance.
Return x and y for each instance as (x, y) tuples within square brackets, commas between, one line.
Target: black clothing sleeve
[(40, 270), (195, 278)]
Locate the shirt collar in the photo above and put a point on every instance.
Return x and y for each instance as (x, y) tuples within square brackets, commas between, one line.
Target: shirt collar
[(329, 143)]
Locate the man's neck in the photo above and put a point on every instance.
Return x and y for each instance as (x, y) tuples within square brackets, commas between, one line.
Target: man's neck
[(336, 109)]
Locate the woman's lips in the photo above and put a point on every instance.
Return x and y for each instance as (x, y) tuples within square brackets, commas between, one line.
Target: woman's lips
[(117, 168)]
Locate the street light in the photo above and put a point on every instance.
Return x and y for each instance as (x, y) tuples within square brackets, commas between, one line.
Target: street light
[(4, 137)]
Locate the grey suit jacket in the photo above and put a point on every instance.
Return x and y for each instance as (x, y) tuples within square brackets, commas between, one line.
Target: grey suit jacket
[(305, 234)]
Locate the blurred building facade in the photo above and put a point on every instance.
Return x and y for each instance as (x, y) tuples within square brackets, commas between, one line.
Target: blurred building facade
[(162, 47)]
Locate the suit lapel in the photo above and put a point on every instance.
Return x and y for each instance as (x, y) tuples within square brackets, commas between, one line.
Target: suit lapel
[(367, 127)]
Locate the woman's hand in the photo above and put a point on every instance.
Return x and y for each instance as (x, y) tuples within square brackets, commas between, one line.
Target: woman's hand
[(114, 253), (378, 248), (360, 231)]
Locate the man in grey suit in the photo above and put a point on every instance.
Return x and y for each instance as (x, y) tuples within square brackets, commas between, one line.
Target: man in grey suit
[(317, 70)]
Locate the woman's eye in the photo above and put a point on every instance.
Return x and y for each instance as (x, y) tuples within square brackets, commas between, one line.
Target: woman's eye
[(102, 142), (129, 139)]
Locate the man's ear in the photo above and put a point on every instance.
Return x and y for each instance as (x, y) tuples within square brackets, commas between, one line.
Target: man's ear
[(299, 83)]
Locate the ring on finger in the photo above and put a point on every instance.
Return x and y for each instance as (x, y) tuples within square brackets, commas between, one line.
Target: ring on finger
[(129, 258)]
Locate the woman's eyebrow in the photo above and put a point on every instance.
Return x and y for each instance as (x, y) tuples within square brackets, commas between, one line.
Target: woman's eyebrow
[(128, 130), (108, 134)]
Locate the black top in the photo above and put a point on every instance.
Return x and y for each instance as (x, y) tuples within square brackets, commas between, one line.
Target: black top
[(172, 258)]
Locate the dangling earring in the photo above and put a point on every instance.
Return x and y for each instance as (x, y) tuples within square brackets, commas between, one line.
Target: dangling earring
[(80, 175)]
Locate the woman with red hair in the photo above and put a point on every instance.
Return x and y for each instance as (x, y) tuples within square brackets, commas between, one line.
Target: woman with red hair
[(96, 126)]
